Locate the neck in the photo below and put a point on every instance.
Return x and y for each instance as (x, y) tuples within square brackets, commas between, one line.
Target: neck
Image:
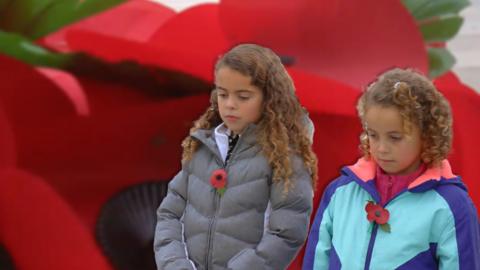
[(412, 168)]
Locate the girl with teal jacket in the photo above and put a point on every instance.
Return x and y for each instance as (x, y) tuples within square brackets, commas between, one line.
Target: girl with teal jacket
[(400, 206)]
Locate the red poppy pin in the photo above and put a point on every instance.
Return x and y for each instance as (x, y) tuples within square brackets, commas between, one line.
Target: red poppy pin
[(378, 214), (219, 180)]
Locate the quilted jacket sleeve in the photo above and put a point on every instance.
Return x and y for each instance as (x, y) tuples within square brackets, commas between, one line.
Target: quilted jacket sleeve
[(169, 245)]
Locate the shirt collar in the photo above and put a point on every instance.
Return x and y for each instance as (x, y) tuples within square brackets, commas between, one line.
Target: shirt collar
[(222, 130)]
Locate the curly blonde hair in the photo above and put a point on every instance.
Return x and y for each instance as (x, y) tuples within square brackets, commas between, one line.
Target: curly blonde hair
[(419, 104), (282, 129)]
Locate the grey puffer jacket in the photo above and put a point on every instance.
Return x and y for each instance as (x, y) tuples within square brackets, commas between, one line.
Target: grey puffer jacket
[(197, 228)]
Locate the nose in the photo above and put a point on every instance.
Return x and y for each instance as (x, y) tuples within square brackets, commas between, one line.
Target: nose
[(230, 102), (382, 146)]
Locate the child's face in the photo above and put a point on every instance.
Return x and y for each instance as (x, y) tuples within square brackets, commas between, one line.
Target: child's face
[(395, 151), (239, 102)]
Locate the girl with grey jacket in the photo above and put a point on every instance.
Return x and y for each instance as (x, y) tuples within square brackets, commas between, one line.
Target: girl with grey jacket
[(244, 195)]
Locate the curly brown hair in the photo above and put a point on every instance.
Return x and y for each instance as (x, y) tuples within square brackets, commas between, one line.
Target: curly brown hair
[(419, 103), (282, 129)]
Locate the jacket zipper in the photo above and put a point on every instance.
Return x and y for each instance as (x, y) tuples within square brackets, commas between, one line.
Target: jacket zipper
[(217, 204), (210, 228), (373, 236), (370, 246)]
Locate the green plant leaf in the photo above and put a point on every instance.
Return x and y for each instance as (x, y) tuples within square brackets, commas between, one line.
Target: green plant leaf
[(440, 61), (440, 30), (438, 21), (18, 16), (424, 9), (35, 19), (413, 5), (23, 49), (385, 227), (221, 191)]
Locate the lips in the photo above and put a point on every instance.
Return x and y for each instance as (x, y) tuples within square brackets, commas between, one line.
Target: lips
[(231, 118)]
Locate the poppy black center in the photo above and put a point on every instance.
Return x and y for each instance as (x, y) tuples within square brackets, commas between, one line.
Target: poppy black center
[(219, 177), (377, 213)]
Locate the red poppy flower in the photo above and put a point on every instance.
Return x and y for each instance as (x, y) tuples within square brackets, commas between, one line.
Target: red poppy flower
[(378, 214), (219, 180)]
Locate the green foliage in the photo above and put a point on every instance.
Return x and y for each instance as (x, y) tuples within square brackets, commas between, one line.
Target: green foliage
[(441, 60), (34, 19), (438, 21), (21, 48)]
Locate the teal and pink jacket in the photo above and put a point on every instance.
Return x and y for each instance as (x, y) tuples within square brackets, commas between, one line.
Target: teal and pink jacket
[(434, 224)]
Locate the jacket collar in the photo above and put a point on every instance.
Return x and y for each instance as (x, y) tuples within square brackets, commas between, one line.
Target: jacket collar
[(364, 170), (247, 139)]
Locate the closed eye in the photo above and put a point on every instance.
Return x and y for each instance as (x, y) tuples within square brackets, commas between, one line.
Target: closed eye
[(396, 138), (371, 135)]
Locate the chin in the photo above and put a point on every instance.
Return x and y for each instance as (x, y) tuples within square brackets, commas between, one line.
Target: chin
[(399, 172), (390, 170), (237, 129)]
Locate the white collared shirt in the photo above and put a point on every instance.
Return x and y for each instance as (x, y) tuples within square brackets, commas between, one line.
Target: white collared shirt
[(221, 137)]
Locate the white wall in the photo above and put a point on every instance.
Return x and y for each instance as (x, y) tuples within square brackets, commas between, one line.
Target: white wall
[(179, 5), (466, 47)]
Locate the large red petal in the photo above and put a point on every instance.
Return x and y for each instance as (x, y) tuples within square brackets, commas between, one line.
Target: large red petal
[(40, 230), (322, 95), (70, 86), (465, 103), (8, 155), (189, 42), (29, 96), (132, 20), (108, 151), (195, 30), (116, 49), (349, 40)]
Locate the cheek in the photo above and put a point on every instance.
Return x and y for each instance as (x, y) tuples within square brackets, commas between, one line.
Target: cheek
[(411, 151), (220, 107), (255, 116), (371, 145), (256, 111), (417, 151)]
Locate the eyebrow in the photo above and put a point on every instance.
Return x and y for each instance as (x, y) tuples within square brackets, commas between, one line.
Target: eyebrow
[(238, 90), (390, 132)]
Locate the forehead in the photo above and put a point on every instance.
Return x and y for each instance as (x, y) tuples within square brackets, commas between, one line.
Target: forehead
[(230, 79), (384, 119)]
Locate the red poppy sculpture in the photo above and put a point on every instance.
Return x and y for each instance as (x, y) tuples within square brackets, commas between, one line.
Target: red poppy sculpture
[(140, 75)]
